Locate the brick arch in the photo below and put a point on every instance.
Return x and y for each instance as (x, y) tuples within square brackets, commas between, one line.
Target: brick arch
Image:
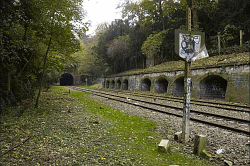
[(161, 84), (107, 84), (226, 77), (118, 84), (213, 86), (146, 83), (178, 88), (112, 84), (125, 84)]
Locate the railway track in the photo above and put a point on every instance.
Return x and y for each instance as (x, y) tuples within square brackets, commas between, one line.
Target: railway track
[(228, 106), (236, 124)]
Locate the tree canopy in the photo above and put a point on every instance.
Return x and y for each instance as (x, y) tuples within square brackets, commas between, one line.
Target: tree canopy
[(36, 36), (149, 27), (41, 38)]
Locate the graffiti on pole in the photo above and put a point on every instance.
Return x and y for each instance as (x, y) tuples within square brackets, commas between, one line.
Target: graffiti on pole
[(188, 95)]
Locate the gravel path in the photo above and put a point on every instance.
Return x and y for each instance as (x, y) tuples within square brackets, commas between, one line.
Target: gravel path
[(236, 147)]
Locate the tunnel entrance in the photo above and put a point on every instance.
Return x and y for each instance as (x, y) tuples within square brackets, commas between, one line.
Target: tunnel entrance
[(118, 84), (66, 79), (161, 85), (179, 87), (213, 87), (146, 84), (125, 84), (107, 84), (112, 85)]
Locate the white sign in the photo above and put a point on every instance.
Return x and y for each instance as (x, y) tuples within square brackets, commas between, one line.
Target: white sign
[(190, 47)]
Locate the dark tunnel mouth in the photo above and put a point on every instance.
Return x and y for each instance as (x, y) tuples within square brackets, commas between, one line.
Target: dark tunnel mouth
[(179, 87), (66, 79), (125, 84), (161, 85), (107, 84), (146, 84), (213, 87), (112, 85), (118, 84)]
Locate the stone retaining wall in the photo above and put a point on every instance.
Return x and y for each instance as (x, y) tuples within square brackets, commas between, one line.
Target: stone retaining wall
[(225, 82)]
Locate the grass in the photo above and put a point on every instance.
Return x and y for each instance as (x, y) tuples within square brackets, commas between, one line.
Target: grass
[(91, 134), (95, 86), (215, 61)]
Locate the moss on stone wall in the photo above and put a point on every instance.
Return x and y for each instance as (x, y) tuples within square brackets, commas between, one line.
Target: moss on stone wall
[(238, 88), (210, 62)]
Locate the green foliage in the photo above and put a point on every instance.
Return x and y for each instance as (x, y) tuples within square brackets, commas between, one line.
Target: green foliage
[(134, 132), (95, 86), (86, 61), (115, 29), (141, 20), (230, 50), (222, 60), (118, 50), (88, 135), (34, 32), (118, 47), (228, 34), (153, 45), (147, 18)]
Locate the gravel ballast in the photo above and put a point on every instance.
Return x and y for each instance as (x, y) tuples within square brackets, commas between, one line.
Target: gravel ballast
[(224, 145)]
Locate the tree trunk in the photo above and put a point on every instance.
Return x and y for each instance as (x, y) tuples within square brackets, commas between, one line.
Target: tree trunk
[(25, 32), (8, 85), (44, 67), (195, 16), (45, 60), (143, 62), (136, 63), (161, 15), (153, 60)]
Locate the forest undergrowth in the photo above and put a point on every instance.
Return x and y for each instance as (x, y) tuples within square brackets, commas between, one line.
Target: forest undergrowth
[(71, 129)]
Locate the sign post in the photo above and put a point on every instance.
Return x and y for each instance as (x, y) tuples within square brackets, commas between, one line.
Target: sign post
[(186, 106), (190, 45), (218, 42), (187, 85)]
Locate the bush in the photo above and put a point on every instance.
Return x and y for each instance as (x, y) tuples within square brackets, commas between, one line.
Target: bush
[(21, 89), (230, 50)]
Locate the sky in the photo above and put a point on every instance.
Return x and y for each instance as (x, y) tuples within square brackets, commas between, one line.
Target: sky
[(99, 11)]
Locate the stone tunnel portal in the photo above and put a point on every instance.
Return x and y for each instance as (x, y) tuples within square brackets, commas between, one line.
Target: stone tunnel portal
[(161, 85), (146, 84), (179, 87), (213, 87), (125, 84), (66, 79)]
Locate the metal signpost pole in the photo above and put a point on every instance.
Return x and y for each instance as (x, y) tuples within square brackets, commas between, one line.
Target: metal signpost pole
[(190, 45), (219, 42), (241, 38), (187, 92)]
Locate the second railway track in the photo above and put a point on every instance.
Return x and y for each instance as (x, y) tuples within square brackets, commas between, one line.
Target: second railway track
[(235, 124), (228, 106)]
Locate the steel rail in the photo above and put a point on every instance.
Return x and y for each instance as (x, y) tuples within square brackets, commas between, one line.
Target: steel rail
[(97, 93), (231, 107)]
